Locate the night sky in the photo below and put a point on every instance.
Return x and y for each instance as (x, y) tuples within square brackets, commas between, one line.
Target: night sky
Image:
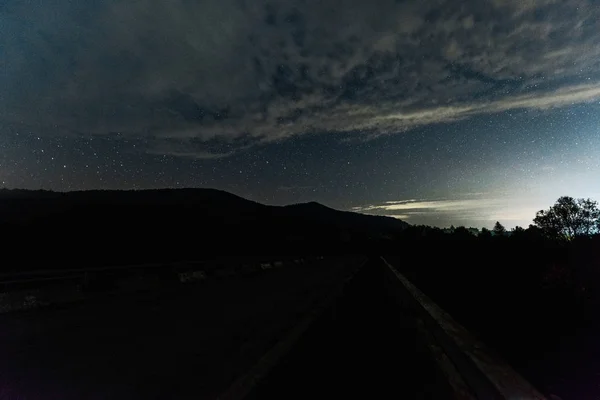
[(438, 112)]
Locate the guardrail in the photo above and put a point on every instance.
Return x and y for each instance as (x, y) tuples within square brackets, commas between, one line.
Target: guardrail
[(179, 267), (32, 289), (471, 369)]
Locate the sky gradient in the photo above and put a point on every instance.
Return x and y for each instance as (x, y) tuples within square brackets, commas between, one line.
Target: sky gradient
[(438, 112)]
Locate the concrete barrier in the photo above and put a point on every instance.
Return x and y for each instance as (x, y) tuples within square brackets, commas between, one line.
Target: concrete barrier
[(473, 371)]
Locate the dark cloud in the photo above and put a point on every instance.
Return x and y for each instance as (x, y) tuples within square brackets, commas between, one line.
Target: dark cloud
[(186, 74)]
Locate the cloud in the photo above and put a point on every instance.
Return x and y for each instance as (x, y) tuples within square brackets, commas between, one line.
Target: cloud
[(476, 210), (296, 188), (398, 216), (565, 96), (242, 73), (196, 155), (419, 206)]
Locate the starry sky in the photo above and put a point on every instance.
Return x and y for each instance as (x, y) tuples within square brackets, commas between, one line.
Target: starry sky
[(437, 112)]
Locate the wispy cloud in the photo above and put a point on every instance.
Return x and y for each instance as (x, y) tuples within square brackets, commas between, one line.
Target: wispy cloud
[(199, 155), (222, 71), (296, 188), (539, 101), (433, 206), (478, 211), (402, 217)]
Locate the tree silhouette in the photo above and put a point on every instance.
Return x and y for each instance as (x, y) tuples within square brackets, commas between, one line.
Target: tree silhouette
[(485, 233), (569, 218), (517, 232), (499, 229), (462, 233)]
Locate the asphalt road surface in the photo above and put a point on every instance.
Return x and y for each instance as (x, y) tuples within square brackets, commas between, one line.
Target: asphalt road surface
[(365, 348), (183, 344)]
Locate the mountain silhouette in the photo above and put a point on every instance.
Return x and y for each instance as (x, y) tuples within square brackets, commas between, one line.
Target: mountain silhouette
[(346, 219), (118, 227)]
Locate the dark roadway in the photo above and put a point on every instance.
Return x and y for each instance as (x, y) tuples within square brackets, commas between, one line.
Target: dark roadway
[(194, 342), (364, 348)]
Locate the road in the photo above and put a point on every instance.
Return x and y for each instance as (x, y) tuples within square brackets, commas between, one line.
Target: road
[(183, 344), (365, 348)]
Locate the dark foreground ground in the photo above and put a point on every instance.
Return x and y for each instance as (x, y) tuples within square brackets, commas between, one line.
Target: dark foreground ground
[(194, 342), (186, 343)]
